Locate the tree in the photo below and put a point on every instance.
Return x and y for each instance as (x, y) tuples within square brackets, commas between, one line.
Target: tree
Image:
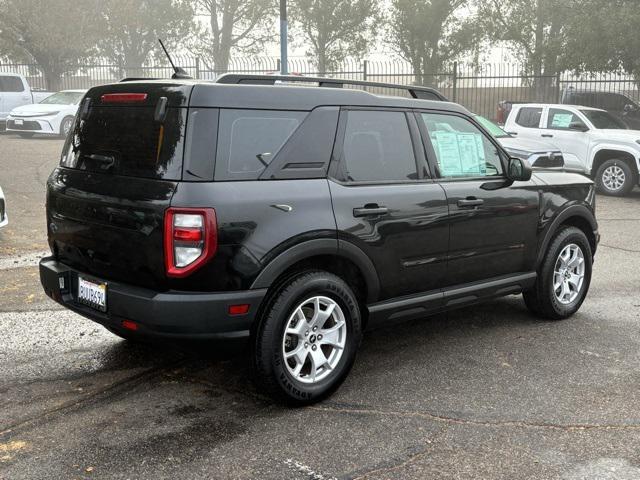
[(428, 33), (537, 31), (602, 38), (132, 29), (38, 30), (335, 29), (233, 25)]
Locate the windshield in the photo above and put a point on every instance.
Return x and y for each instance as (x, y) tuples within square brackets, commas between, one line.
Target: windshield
[(64, 98), (491, 127), (604, 120)]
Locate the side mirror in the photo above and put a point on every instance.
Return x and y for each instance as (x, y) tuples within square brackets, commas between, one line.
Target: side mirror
[(578, 127), (519, 170)]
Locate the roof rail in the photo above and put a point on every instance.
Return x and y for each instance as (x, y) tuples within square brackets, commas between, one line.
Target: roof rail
[(423, 93), (137, 79)]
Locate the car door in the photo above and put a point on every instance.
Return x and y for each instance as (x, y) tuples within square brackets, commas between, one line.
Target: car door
[(568, 131), (493, 221), (385, 203)]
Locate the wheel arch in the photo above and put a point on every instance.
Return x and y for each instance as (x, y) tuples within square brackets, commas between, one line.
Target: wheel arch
[(605, 152), (335, 256), (578, 216)]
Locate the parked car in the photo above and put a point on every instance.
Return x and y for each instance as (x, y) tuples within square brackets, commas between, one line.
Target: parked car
[(4, 218), (15, 92), (297, 216), (538, 153), (52, 116), (591, 140), (618, 104)]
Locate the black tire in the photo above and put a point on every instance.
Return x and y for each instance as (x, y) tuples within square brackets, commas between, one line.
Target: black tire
[(26, 135), (541, 299), (604, 186), (66, 120), (271, 374)]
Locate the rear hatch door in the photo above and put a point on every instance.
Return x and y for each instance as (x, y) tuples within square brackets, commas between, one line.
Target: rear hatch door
[(118, 172)]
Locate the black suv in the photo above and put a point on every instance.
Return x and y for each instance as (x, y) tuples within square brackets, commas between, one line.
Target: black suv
[(615, 103), (297, 216)]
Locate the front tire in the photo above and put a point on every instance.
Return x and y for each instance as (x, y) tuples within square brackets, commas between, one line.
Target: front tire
[(563, 277), (65, 126), (615, 178), (306, 342)]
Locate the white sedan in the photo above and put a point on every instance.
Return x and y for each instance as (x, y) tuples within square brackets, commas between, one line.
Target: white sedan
[(52, 116)]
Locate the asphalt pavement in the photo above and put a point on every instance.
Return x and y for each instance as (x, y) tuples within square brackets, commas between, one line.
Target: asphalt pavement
[(487, 392)]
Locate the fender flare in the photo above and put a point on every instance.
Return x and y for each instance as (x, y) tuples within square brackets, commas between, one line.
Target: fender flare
[(312, 248), (571, 211)]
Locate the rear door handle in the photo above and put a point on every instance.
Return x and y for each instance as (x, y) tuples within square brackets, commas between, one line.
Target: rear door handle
[(546, 135), (370, 210), (470, 202)]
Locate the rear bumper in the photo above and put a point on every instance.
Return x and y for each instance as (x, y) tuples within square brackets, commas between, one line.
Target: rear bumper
[(171, 315)]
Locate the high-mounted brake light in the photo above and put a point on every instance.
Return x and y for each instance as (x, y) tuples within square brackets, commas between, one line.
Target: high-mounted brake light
[(190, 239), (123, 97)]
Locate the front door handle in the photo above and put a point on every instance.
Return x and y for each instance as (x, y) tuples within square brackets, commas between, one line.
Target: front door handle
[(470, 202), (547, 135), (370, 210)]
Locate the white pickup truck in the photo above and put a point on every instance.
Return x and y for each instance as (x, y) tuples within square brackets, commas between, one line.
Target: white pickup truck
[(591, 140), (15, 92)]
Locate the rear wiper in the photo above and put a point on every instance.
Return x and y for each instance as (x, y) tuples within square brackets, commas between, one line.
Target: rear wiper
[(108, 161)]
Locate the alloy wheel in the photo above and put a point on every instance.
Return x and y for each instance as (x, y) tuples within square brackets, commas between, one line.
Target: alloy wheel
[(314, 339), (613, 178), (568, 276)]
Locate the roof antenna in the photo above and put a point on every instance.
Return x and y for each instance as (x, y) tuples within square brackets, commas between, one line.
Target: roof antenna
[(178, 71)]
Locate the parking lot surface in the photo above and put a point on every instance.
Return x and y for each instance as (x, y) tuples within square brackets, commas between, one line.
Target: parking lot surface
[(485, 392)]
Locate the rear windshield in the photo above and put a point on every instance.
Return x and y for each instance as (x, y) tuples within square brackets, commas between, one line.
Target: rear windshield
[(127, 140)]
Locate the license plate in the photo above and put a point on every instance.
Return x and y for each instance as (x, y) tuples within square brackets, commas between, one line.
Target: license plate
[(19, 122), (93, 294)]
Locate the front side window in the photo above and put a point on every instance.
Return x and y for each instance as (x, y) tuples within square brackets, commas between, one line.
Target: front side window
[(461, 149), (564, 120), (248, 140), (377, 147), (529, 117)]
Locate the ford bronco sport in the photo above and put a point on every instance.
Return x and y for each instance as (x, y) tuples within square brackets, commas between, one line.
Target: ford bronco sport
[(297, 216)]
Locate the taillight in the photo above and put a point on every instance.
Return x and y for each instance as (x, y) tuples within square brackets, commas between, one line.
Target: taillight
[(123, 97), (190, 239)]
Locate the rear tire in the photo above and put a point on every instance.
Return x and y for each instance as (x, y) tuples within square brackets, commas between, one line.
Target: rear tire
[(563, 277), (306, 342), (615, 178)]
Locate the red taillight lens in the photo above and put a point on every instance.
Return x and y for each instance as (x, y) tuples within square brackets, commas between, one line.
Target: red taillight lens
[(123, 97), (241, 309), (190, 239)]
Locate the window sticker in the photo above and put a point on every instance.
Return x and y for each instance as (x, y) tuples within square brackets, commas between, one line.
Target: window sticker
[(562, 120), (459, 153)]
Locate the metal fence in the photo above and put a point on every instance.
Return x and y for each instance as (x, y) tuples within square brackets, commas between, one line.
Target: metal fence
[(478, 87)]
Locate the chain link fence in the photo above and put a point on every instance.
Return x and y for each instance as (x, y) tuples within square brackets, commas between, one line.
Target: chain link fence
[(480, 88)]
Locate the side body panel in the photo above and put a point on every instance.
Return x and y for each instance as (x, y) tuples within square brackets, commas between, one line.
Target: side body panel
[(257, 221)]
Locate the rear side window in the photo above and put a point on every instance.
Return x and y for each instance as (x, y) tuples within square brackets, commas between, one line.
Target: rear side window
[(248, 140), (377, 148), (529, 117), (11, 84)]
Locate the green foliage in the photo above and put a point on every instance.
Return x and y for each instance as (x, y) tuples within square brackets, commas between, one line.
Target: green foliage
[(238, 26), (429, 34), (55, 34), (335, 29), (130, 29)]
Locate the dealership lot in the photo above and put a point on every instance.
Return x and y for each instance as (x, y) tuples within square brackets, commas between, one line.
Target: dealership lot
[(484, 392)]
